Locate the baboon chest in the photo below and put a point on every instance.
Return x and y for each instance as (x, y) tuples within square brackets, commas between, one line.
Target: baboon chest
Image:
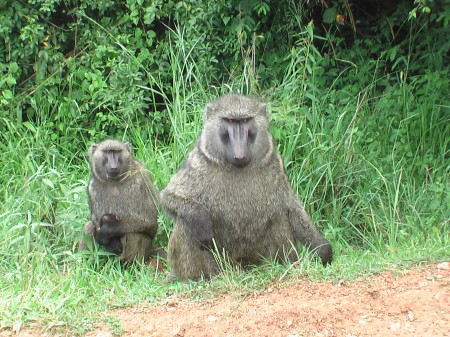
[(242, 200), (112, 198)]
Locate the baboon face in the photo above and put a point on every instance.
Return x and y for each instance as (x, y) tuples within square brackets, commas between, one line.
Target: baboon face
[(110, 159), (236, 130), (109, 219), (112, 162), (237, 135)]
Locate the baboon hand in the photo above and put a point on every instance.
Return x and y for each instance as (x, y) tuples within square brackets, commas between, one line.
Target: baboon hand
[(96, 226), (198, 223), (206, 240), (115, 246)]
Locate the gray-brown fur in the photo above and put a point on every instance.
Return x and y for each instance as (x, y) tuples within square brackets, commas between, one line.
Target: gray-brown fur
[(123, 203), (249, 209)]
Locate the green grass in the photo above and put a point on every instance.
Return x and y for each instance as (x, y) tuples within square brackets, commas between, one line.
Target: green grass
[(369, 163)]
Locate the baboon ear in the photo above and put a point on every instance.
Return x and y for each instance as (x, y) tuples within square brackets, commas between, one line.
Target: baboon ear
[(127, 146), (92, 149), (262, 109), (210, 110)]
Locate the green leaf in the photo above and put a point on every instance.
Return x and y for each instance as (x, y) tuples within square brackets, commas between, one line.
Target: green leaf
[(48, 182), (10, 80), (29, 126), (310, 29), (13, 67), (8, 94), (329, 15)]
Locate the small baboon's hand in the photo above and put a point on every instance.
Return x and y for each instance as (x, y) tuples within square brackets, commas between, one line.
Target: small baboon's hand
[(96, 226), (103, 236), (198, 223)]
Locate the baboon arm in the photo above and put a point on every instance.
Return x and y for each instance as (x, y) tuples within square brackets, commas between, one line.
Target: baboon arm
[(89, 231), (154, 195), (192, 215), (145, 222), (131, 224), (305, 231), (197, 221), (135, 224)]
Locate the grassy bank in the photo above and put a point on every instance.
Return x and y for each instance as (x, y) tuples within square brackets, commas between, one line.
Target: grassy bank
[(367, 153)]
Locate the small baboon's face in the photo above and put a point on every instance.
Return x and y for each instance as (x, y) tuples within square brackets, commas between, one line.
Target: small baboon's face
[(112, 163), (109, 219), (110, 159), (238, 136)]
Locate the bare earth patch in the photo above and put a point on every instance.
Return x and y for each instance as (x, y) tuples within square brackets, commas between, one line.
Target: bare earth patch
[(404, 303)]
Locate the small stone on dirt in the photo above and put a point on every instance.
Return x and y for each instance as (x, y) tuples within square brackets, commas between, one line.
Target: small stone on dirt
[(178, 332), (211, 318), (443, 265), (103, 334), (395, 326)]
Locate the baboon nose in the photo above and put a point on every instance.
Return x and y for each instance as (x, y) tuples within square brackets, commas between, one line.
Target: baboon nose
[(113, 172), (241, 161)]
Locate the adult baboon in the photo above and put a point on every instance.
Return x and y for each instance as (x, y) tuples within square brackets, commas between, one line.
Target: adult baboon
[(122, 200), (233, 188)]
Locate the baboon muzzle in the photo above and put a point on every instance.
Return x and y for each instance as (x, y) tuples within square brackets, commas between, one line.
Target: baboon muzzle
[(239, 147), (113, 165)]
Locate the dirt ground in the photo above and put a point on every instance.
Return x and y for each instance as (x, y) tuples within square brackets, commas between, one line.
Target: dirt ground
[(402, 303)]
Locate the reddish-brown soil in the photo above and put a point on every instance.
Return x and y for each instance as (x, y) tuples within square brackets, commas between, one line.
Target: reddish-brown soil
[(402, 303)]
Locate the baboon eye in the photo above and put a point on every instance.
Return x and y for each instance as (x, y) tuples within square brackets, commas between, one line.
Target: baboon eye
[(252, 134), (224, 136)]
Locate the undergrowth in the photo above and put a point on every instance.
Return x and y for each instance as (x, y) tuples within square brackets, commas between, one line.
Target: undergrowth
[(366, 149)]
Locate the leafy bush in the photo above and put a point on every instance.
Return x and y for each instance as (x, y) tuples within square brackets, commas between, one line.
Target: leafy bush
[(103, 66)]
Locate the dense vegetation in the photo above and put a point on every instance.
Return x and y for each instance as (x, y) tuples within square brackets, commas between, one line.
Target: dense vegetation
[(359, 102)]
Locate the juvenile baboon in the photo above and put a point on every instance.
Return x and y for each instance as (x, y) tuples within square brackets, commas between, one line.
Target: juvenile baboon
[(233, 188), (113, 245), (122, 200)]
